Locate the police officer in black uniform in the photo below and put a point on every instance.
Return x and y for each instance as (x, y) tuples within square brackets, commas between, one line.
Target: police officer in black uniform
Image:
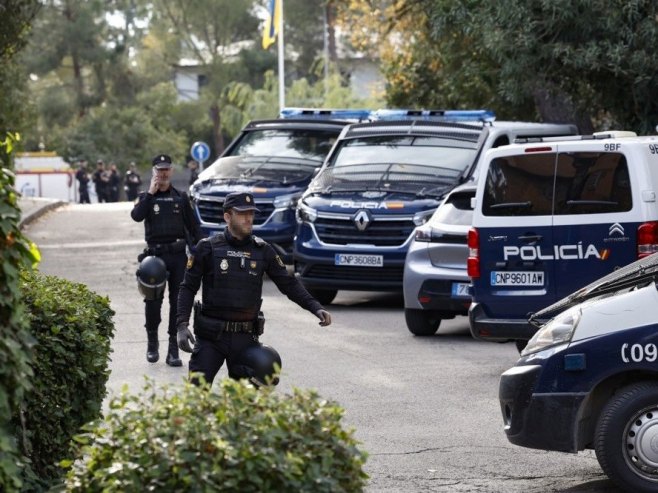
[(170, 225), (231, 265)]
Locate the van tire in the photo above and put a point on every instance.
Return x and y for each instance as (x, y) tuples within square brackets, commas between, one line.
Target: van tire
[(421, 322), (630, 413), (324, 296)]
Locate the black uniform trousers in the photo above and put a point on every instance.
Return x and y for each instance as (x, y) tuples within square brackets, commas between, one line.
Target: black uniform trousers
[(175, 263), (209, 356)]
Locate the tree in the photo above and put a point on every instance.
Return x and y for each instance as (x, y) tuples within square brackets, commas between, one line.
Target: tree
[(210, 39)]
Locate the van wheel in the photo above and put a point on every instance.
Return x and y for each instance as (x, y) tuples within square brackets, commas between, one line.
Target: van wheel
[(626, 437), (421, 322), (324, 296)]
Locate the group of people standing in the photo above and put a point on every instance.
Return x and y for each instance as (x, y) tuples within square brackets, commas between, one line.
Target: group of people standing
[(107, 182)]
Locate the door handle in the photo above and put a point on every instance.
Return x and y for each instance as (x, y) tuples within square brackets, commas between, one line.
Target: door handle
[(530, 238)]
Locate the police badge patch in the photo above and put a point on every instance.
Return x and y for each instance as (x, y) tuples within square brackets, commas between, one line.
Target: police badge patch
[(279, 261), (190, 262), (223, 264)]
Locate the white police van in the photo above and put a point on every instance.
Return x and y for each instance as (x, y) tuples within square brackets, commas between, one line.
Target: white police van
[(588, 379), (553, 215)]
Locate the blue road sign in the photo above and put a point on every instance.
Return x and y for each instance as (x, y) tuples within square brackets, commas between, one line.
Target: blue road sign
[(200, 151)]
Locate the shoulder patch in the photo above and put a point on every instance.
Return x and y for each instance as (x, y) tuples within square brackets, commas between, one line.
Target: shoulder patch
[(190, 262), (279, 261)]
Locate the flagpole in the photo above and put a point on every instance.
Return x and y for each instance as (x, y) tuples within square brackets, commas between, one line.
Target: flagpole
[(282, 74)]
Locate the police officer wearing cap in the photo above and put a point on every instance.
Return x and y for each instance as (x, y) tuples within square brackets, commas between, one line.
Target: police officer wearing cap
[(231, 265), (170, 226)]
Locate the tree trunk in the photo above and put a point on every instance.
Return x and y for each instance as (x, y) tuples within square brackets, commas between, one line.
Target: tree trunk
[(78, 82), (557, 107), (331, 31), (218, 138)]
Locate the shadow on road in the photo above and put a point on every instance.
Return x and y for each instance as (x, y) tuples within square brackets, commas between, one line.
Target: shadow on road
[(598, 486)]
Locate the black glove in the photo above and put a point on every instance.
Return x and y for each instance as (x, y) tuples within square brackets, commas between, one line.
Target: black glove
[(184, 337)]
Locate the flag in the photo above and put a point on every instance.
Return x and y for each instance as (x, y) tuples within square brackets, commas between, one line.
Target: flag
[(272, 23)]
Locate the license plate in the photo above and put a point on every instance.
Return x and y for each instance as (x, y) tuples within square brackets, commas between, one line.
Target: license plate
[(359, 260), (517, 278), (460, 289)]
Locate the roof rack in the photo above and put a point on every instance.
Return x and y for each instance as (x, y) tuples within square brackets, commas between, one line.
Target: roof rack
[(325, 113), (612, 134), (436, 115)]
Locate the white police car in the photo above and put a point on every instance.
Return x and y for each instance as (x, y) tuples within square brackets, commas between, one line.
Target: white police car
[(588, 379), (552, 215)]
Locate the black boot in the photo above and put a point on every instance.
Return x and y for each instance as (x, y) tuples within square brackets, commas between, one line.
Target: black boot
[(172, 354), (152, 354)]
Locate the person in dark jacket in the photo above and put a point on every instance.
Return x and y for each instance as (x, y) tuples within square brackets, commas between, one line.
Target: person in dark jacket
[(231, 265), (170, 226), (83, 182), (132, 182)]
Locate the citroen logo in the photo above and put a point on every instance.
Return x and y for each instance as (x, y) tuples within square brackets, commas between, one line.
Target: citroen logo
[(616, 228), (362, 219)]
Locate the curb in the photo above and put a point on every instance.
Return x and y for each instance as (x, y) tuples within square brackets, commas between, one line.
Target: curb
[(38, 212)]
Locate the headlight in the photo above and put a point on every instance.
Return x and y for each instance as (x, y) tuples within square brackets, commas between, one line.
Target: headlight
[(422, 217), (423, 234), (305, 213), (287, 201), (556, 331)]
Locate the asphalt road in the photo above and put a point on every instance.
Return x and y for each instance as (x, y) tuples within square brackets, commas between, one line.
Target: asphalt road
[(425, 409)]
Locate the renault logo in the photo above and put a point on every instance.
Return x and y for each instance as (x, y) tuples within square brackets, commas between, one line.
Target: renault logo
[(362, 219)]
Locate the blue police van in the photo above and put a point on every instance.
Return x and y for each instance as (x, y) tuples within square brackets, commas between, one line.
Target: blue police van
[(275, 161), (588, 378), (383, 179), (552, 215)]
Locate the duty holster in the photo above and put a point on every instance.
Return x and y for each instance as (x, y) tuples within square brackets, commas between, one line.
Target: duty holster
[(212, 328)]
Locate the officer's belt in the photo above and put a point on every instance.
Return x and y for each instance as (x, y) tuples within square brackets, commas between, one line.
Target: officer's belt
[(159, 248), (211, 328)]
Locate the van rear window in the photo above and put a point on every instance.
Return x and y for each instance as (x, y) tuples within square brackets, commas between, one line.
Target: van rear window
[(564, 183)]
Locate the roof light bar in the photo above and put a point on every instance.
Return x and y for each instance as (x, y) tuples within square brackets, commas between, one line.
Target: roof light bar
[(325, 113), (439, 115)]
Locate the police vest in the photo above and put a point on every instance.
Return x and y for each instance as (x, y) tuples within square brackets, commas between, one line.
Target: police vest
[(237, 274), (165, 220)]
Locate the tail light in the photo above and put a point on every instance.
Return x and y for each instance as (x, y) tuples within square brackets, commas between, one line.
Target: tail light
[(647, 239), (473, 262)]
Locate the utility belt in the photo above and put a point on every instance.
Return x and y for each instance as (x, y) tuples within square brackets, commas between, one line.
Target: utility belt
[(157, 249), (212, 328)]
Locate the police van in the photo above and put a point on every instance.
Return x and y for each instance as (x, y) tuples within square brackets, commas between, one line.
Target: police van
[(383, 179), (274, 160), (588, 378), (552, 215)]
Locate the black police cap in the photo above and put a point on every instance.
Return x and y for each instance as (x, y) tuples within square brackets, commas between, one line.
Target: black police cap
[(240, 201), (162, 161)]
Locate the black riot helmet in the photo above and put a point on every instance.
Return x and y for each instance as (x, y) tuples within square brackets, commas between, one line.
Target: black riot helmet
[(259, 364), (151, 277)]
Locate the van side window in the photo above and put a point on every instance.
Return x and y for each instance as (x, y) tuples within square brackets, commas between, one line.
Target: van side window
[(519, 186), (592, 183)]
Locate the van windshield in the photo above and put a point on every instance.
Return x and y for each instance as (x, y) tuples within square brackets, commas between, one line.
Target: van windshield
[(250, 168), (313, 145), (446, 155)]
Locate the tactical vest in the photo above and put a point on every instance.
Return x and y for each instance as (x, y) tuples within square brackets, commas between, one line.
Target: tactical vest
[(165, 222), (237, 274)]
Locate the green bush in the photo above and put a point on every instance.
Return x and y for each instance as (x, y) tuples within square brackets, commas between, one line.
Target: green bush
[(239, 439), (15, 341), (73, 328)]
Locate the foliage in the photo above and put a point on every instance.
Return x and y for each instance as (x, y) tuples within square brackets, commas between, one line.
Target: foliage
[(72, 327), (15, 342), (240, 439)]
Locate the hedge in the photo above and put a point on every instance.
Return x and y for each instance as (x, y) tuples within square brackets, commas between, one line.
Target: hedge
[(237, 439), (73, 328)]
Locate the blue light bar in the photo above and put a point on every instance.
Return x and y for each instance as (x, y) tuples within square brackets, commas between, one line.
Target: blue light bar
[(325, 114), (437, 115)]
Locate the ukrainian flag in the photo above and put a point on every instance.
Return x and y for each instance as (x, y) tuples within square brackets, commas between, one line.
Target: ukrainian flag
[(272, 23)]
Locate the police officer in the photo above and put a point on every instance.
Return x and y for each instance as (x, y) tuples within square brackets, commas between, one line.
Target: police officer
[(132, 182), (231, 265), (169, 225)]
